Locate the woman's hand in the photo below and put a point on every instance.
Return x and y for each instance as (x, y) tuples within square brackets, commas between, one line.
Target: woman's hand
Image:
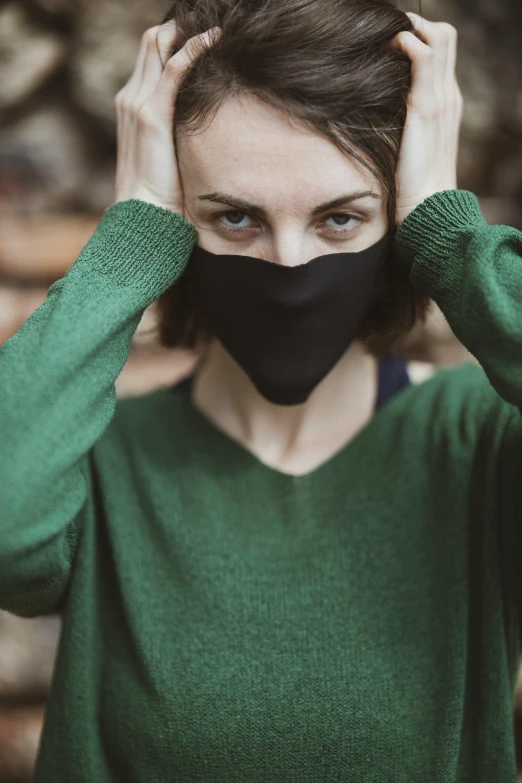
[(147, 168), (428, 157)]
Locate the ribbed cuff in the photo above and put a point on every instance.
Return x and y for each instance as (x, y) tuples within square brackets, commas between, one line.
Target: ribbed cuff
[(141, 245), (436, 229), (434, 239)]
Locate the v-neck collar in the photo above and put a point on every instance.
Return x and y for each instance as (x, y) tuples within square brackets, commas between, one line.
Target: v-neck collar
[(392, 377)]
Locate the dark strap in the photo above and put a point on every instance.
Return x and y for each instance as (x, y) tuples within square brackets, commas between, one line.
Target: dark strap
[(184, 386), (393, 376)]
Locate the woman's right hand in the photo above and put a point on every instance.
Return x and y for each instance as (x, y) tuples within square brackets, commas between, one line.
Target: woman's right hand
[(147, 167)]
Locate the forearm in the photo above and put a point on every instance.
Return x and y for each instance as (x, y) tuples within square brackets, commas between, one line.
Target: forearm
[(473, 271), (57, 377)]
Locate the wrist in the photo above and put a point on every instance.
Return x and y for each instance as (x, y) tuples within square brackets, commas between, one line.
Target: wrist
[(145, 246), (435, 234), (406, 206), (141, 194)]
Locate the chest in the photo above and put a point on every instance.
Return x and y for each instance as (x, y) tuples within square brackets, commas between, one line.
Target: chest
[(295, 639)]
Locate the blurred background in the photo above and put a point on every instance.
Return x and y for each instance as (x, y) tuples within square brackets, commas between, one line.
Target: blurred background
[(61, 64)]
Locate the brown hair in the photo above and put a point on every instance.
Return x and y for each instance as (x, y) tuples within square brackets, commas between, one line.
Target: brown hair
[(328, 65)]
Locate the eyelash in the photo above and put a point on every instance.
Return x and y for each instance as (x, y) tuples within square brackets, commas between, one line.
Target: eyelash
[(236, 231)]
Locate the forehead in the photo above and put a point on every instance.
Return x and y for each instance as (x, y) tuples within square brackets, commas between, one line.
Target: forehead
[(252, 147)]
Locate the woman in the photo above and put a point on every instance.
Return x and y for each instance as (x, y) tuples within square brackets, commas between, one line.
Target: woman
[(279, 573)]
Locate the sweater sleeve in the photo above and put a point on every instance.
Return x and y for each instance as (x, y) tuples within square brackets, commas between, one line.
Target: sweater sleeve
[(57, 392), (473, 271)]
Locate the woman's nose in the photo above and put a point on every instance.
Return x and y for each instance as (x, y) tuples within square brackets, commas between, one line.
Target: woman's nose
[(289, 253)]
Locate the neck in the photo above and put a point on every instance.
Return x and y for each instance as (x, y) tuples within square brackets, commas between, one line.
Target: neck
[(293, 439)]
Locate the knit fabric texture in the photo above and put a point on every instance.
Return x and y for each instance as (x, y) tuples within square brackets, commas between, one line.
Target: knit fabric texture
[(224, 622)]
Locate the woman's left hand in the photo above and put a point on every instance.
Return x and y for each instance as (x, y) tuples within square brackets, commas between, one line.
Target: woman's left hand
[(429, 149)]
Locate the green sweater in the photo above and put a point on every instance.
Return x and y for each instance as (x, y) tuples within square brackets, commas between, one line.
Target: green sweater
[(226, 623)]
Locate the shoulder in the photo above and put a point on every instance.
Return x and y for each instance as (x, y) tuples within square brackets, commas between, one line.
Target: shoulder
[(461, 379), (158, 407), (441, 406), (454, 385), (454, 403), (152, 422)]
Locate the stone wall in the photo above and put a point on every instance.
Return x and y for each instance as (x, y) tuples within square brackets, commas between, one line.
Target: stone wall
[(62, 63)]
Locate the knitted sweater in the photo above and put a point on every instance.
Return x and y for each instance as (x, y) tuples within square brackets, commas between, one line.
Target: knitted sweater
[(226, 623)]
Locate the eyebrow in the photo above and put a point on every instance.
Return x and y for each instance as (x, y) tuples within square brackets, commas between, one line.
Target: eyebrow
[(238, 203)]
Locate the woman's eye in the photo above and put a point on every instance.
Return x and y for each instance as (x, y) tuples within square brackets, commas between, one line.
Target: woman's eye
[(235, 219), (344, 221)]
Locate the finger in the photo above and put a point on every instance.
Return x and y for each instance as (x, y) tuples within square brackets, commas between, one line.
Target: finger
[(431, 33), (164, 39), (442, 36), (434, 35), (170, 35), (176, 67), (133, 85), (422, 98), (451, 63), (127, 96)]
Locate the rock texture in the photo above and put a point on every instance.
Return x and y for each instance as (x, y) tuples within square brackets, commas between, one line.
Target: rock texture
[(62, 63), (22, 75), (106, 48)]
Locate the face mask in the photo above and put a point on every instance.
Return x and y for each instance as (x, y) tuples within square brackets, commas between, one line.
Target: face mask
[(287, 326)]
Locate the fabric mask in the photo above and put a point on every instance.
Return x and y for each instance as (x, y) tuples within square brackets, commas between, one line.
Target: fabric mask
[(287, 326)]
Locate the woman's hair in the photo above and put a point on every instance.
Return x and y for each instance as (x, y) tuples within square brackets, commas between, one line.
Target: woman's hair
[(326, 64)]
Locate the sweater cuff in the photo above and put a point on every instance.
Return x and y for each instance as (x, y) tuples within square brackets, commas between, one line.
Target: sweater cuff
[(141, 245), (434, 237)]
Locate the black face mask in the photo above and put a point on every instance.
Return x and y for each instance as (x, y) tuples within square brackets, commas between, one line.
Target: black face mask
[(287, 326)]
